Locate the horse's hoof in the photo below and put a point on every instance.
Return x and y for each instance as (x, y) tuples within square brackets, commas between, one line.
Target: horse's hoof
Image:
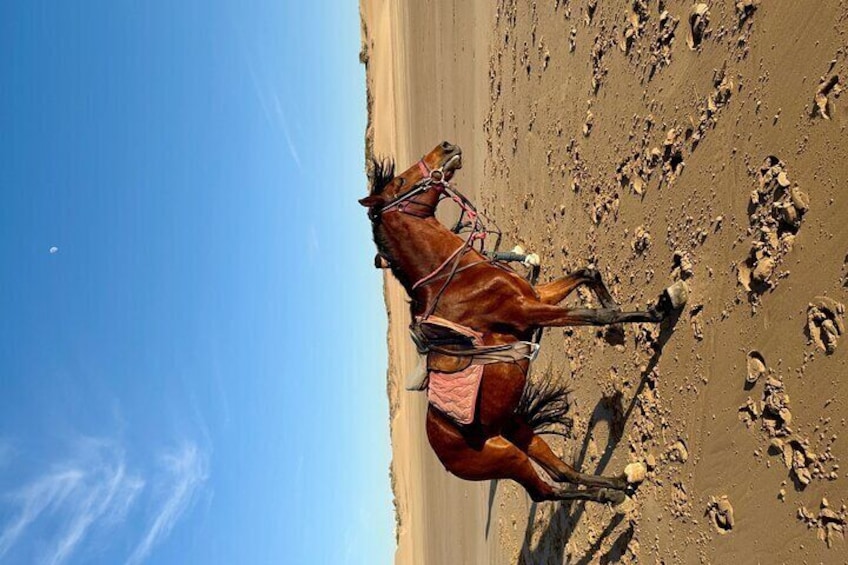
[(677, 294), (671, 300), (611, 496)]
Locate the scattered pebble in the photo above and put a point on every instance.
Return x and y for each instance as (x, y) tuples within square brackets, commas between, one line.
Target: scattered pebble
[(641, 240), (778, 208), (829, 524)]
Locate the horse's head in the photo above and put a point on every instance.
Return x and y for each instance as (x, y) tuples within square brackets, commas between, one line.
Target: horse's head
[(386, 187)]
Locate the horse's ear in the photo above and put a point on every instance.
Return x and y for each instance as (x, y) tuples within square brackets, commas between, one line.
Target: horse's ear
[(370, 201)]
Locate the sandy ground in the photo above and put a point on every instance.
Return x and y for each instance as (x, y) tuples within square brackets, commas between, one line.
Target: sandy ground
[(610, 133)]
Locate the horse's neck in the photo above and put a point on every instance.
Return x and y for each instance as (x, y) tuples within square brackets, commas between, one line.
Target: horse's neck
[(418, 246)]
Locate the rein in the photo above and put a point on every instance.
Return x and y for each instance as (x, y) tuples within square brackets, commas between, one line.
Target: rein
[(469, 219), (436, 179)]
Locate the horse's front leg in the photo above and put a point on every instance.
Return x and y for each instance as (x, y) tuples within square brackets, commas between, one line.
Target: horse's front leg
[(556, 291)]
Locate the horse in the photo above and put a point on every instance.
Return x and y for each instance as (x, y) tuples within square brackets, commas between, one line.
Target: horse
[(448, 278)]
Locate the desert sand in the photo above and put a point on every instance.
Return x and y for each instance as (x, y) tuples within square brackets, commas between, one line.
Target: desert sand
[(658, 141)]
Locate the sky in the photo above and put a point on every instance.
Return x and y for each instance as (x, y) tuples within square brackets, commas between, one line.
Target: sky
[(192, 338)]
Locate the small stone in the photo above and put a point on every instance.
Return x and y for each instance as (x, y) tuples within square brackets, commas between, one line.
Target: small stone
[(635, 472), (763, 270), (651, 461)]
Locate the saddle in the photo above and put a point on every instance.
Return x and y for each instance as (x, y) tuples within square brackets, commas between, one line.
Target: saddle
[(451, 362)]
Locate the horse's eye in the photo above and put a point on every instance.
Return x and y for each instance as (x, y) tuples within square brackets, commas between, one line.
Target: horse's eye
[(401, 181)]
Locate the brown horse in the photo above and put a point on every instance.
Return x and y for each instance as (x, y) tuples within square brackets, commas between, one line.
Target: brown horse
[(470, 290)]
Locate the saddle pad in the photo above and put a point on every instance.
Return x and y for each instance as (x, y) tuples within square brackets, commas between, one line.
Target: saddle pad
[(455, 394)]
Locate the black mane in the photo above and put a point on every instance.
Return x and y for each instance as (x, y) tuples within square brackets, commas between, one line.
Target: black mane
[(382, 173)]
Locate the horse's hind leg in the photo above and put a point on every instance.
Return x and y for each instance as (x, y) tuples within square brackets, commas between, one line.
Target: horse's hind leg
[(523, 436), (556, 291), (498, 458), (537, 314)]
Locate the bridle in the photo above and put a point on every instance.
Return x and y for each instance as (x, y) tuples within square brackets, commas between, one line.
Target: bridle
[(433, 178), (469, 219)]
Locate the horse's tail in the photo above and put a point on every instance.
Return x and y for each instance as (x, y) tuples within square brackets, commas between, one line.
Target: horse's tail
[(544, 406)]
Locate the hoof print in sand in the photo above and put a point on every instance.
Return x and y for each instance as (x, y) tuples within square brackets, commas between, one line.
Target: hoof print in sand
[(720, 512), (775, 213), (845, 272), (823, 104), (797, 457), (699, 19), (825, 323), (830, 525), (756, 367)]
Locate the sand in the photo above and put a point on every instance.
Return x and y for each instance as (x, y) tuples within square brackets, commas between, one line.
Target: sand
[(659, 150)]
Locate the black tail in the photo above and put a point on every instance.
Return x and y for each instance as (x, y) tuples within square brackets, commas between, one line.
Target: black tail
[(544, 405)]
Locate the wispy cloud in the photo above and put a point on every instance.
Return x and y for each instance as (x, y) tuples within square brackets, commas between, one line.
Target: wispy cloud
[(187, 471), (45, 493), (273, 110), (105, 501), (90, 490), (281, 116), (91, 493)]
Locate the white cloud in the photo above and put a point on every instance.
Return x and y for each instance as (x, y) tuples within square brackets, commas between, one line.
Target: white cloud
[(274, 114), (45, 493), (90, 490), (187, 471), (106, 499), (278, 109)]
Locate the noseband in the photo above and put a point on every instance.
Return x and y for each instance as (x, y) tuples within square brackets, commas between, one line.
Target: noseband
[(433, 178)]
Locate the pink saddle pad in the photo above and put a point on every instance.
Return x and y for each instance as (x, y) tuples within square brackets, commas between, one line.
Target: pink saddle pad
[(455, 394)]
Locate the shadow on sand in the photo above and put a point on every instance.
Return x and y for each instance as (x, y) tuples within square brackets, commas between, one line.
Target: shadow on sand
[(551, 546)]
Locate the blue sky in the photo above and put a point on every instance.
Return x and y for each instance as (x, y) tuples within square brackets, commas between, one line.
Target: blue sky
[(196, 374)]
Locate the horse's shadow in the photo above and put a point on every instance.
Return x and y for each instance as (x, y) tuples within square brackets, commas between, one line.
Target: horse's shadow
[(551, 546)]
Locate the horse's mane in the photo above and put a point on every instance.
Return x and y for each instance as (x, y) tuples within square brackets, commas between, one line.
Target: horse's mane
[(381, 174)]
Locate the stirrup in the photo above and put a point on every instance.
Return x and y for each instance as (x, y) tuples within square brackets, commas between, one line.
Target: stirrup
[(534, 350)]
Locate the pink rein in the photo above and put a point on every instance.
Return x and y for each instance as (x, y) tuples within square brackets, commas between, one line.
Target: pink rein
[(443, 187)]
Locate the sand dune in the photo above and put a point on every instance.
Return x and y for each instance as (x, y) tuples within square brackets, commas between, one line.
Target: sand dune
[(660, 141)]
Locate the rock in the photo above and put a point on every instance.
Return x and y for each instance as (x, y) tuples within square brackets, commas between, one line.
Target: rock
[(683, 263), (800, 200), (635, 472), (678, 451), (763, 270), (825, 323), (641, 240), (651, 461)]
